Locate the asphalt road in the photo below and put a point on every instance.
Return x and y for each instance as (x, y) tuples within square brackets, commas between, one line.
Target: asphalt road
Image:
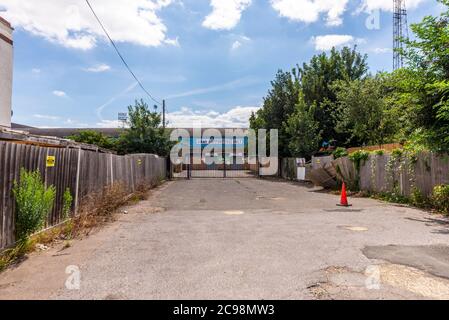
[(247, 239)]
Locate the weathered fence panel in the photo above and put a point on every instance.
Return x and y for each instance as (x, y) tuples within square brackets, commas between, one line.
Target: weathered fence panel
[(81, 171), (384, 173)]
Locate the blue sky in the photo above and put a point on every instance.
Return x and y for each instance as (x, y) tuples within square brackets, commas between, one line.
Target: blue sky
[(212, 60)]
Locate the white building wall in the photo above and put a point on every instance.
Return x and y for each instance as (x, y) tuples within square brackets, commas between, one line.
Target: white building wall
[(6, 71)]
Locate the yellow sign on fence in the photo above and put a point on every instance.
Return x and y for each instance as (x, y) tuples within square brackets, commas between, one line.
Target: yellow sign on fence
[(51, 161)]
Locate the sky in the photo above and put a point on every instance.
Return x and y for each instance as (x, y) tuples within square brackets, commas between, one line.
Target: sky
[(211, 60)]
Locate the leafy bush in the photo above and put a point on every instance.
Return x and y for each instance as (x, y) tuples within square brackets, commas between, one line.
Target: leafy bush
[(379, 152), (34, 203), (67, 204), (340, 153), (418, 199), (359, 158), (440, 198), (397, 154), (393, 197), (94, 138)]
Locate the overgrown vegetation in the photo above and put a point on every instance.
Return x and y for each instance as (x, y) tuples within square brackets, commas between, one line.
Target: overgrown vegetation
[(94, 138), (9, 256), (440, 198), (34, 202), (67, 201), (334, 98), (359, 158), (340, 153)]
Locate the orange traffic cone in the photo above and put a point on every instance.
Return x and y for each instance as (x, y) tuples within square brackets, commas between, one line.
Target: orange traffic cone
[(344, 197)]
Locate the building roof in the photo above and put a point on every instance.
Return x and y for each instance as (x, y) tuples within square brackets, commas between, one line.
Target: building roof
[(25, 137), (66, 132), (110, 132)]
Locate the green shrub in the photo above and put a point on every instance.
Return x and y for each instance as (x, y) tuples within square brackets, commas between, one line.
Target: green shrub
[(397, 154), (340, 153), (359, 158), (379, 152), (418, 199), (67, 204), (440, 198), (34, 203)]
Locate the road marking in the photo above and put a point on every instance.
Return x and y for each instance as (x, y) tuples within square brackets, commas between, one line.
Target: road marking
[(356, 229), (234, 213)]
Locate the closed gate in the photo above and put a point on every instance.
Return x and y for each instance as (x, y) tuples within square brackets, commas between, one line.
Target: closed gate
[(226, 166)]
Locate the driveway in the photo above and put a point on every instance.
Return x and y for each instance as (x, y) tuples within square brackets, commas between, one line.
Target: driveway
[(247, 239)]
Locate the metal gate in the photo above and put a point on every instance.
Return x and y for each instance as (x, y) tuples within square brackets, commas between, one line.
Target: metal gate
[(228, 167)]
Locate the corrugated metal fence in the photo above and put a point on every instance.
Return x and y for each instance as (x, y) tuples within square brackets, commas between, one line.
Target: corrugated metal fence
[(79, 170)]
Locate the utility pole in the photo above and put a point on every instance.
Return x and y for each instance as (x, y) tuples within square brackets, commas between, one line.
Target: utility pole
[(163, 114), (400, 31)]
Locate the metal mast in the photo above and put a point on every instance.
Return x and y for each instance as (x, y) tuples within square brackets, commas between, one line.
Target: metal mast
[(400, 31)]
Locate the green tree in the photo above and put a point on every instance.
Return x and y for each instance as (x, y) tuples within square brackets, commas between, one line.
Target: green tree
[(278, 105), (145, 133), (304, 130), (421, 94), (317, 77), (362, 111), (94, 138)]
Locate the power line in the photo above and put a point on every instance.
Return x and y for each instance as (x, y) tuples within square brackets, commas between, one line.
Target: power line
[(120, 55)]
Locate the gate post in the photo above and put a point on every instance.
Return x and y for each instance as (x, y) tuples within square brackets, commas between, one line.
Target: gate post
[(224, 165), (189, 167), (169, 168)]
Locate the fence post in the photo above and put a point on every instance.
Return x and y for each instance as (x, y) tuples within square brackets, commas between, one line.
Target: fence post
[(112, 170), (77, 186), (131, 159)]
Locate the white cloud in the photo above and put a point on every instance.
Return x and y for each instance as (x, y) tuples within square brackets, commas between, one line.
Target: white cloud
[(59, 93), (235, 45), (99, 68), (46, 117), (226, 14), (387, 5), (36, 70), (327, 42), (239, 42), (309, 11), (71, 24), (237, 117), (239, 83)]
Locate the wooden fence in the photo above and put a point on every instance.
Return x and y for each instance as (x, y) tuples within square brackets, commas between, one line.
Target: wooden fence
[(384, 173), (387, 147), (81, 171)]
